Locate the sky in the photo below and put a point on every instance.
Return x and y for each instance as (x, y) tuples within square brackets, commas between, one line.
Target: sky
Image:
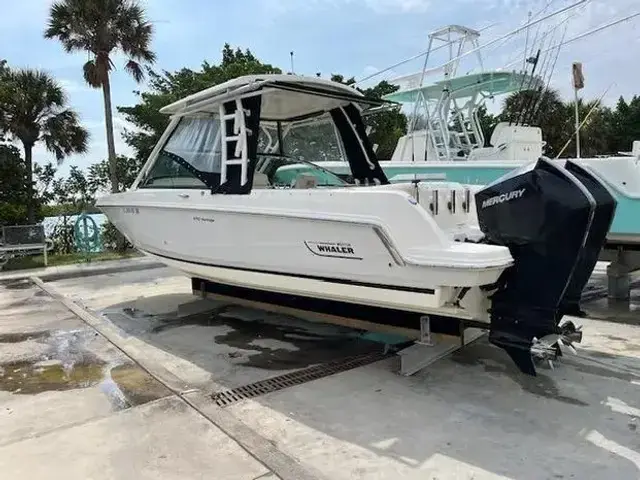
[(351, 37)]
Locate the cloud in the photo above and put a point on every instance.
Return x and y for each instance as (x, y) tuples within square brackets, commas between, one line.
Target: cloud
[(396, 6), (370, 76), (72, 86), (378, 6), (97, 149)]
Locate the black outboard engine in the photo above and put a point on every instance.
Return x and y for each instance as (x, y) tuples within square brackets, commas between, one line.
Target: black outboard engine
[(603, 218), (554, 227)]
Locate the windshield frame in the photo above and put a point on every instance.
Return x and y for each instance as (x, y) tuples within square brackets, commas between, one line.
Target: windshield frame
[(346, 126)]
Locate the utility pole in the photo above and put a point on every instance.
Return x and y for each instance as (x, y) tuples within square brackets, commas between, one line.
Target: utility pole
[(292, 70), (578, 84)]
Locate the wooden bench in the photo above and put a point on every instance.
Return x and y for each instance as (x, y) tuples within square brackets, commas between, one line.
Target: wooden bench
[(23, 240)]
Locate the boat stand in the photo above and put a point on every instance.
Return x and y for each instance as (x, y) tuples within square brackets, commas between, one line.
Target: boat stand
[(427, 349), (625, 263), (431, 347)]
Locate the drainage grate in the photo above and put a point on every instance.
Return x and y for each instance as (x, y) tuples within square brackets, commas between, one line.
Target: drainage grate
[(228, 397)]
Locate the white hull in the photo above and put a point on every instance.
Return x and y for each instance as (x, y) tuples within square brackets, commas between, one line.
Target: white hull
[(272, 240), (211, 202)]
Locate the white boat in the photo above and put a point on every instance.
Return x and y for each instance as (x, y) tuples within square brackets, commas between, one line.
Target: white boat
[(210, 201), (438, 148)]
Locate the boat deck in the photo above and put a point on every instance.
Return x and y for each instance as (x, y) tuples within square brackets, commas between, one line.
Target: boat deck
[(115, 376)]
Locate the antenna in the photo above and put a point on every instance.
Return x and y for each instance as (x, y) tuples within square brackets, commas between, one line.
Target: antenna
[(292, 70)]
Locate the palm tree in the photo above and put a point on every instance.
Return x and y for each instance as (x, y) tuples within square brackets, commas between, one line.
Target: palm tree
[(33, 108), (101, 28)]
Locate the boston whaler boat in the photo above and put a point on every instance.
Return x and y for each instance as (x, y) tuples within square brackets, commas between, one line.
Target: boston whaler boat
[(215, 201)]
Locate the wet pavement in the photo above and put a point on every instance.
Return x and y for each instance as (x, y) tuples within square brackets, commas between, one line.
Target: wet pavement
[(471, 415), (63, 358), (73, 406)]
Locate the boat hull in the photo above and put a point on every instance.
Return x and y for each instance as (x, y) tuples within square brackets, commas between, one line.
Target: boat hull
[(620, 175), (398, 259)]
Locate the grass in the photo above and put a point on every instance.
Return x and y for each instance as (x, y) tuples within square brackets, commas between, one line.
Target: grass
[(37, 261)]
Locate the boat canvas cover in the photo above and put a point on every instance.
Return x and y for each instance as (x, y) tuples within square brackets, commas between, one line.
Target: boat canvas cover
[(488, 83)]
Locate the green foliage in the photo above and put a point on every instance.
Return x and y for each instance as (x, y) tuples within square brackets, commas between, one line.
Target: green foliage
[(75, 191), (57, 210), (71, 195), (547, 111), (62, 236), (605, 131), (126, 167), (167, 87), (101, 28), (487, 123), (13, 189), (386, 126), (624, 124), (110, 238), (33, 108), (37, 261)]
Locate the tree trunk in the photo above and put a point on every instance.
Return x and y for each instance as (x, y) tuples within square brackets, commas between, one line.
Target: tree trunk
[(121, 243), (28, 161), (108, 121)]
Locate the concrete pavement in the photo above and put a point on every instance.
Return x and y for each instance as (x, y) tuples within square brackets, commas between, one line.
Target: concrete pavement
[(468, 416)]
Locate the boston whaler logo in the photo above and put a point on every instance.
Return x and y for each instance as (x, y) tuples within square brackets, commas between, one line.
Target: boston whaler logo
[(504, 197), (332, 249)]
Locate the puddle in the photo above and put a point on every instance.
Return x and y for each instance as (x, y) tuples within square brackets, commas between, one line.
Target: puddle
[(29, 378), (277, 346), (17, 284), (68, 364), (136, 385), (126, 385), (22, 337), (309, 348)]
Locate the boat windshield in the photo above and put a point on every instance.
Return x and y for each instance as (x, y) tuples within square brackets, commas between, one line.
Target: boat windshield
[(291, 152), (288, 154)]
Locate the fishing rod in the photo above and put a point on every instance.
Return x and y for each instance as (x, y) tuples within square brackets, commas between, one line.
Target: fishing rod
[(583, 35), (513, 32), (531, 99), (545, 86), (545, 66), (530, 60), (535, 38), (509, 34), (595, 105), (526, 46), (527, 101)]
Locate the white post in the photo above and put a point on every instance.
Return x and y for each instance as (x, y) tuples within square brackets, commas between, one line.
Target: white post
[(577, 125), (578, 83)]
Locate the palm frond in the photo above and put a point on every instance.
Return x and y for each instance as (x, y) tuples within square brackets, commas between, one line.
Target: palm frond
[(135, 70), (102, 27), (33, 107), (92, 74), (63, 135)]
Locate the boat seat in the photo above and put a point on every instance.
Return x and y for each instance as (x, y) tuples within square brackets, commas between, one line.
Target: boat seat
[(304, 181), (261, 180)]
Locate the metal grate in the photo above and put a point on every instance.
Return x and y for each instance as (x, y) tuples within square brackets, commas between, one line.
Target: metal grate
[(234, 395)]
